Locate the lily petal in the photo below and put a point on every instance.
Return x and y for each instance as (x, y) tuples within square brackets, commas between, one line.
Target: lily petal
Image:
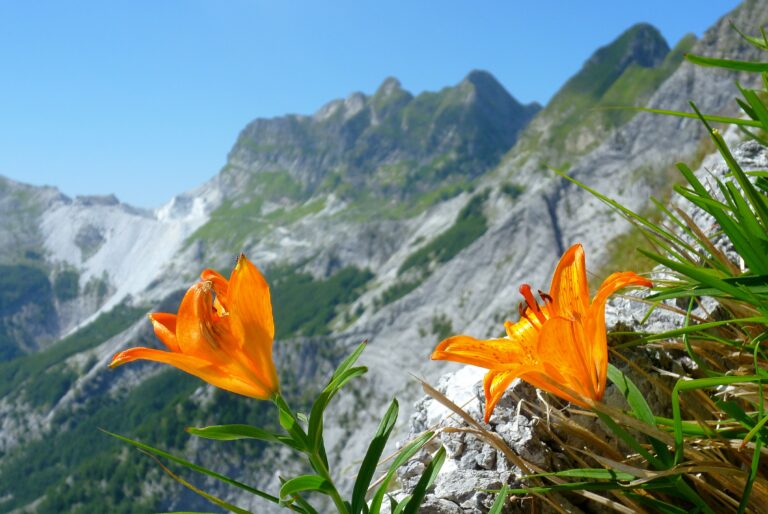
[(489, 353), (165, 329), (495, 383), (566, 356), (220, 287), (194, 324), (569, 290), (594, 325), (194, 366), (252, 322)]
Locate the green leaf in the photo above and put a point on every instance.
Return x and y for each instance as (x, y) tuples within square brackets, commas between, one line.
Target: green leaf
[(728, 64), (593, 473), (372, 456), (498, 503), (297, 499), (211, 498), (291, 425), (315, 427), (758, 202), (236, 432), (708, 117), (426, 480), (195, 467), (700, 383), (753, 470), (305, 483), (232, 433), (350, 360), (760, 43), (406, 453), (630, 441), (639, 407)]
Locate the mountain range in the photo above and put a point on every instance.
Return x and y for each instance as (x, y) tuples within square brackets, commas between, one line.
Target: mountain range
[(392, 217)]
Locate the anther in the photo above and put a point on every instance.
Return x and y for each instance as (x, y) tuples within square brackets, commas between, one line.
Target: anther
[(545, 297), (523, 314)]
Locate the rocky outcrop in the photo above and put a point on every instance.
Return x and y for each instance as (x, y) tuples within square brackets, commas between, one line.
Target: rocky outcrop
[(474, 466)]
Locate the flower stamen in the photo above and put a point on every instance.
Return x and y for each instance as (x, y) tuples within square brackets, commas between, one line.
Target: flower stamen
[(523, 314), (525, 290)]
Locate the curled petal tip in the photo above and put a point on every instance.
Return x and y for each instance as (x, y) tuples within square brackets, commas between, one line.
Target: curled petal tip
[(117, 360), (439, 352)]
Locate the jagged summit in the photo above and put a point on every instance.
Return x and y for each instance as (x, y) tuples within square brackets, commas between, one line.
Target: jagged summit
[(361, 142), (390, 86)]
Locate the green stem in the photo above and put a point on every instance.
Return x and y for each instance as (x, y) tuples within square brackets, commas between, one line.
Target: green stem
[(315, 460), (319, 466)]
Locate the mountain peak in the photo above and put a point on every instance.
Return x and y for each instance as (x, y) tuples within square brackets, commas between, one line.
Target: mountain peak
[(646, 46), (640, 45), (482, 78), (387, 88)]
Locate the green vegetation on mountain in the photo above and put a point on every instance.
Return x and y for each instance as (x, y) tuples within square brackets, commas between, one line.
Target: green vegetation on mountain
[(470, 224), (245, 217), (304, 305), (26, 307), (42, 375), (66, 285), (624, 73), (635, 86)]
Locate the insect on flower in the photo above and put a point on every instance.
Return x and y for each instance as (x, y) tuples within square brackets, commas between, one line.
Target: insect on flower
[(223, 333), (559, 345)]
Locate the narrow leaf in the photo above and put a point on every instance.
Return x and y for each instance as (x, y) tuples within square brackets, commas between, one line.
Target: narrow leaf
[(728, 64), (305, 483), (639, 407), (498, 503), (426, 480), (195, 467), (406, 453), (350, 360), (372, 456)]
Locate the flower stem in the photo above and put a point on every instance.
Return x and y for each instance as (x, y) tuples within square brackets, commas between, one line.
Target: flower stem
[(315, 459), (319, 466)]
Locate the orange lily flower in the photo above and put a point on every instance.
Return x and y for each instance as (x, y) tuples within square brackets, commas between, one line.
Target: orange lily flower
[(222, 334), (559, 346)]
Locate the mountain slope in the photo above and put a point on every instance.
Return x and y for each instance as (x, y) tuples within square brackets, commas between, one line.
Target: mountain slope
[(624, 73)]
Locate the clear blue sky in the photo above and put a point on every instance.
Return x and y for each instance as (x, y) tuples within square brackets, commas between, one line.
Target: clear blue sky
[(145, 98)]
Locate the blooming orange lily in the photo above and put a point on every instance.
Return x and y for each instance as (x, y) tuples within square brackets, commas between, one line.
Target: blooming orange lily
[(222, 334), (559, 346)]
